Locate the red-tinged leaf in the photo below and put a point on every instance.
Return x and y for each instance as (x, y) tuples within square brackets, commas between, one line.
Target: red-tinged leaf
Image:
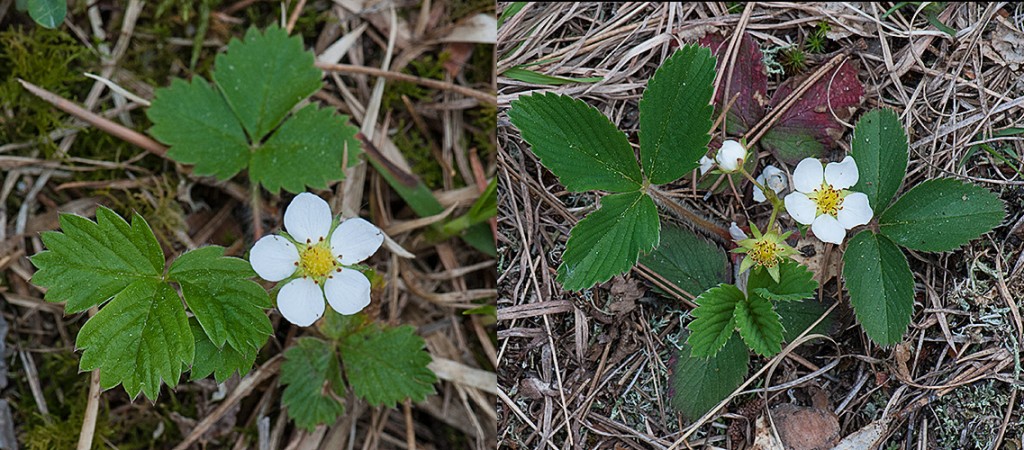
[(808, 128), (748, 80)]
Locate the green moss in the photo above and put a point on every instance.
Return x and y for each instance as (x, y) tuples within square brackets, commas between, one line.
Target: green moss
[(66, 392), (166, 217), (793, 60), (416, 149), (817, 39), (50, 59), (428, 66), (463, 8), (315, 16)]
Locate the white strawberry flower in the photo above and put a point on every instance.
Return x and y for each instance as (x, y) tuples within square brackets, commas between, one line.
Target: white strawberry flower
[(772, 177), (821, 198), (317, 256), (730, 156)]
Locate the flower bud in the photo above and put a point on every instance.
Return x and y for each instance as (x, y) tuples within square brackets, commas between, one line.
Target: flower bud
[(731, 156)]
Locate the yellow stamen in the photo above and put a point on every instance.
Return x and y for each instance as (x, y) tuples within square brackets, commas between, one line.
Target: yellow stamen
[(317, 261), (765, 253), (829, 200)]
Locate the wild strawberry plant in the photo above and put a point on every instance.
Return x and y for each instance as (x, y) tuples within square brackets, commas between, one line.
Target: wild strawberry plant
[(768, 302), (201, 311)]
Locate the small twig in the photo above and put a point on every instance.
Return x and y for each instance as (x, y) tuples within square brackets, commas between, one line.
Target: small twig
[(126, 134), (684, 213), (1006, 419), (244, 387), (295, 16), (757, 131), (732, 52), (433, 84)]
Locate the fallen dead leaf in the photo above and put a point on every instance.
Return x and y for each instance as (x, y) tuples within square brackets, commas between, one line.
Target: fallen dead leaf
[(806, 428), (812, 254), (866, 437), (481, 29), (624, 294), (764, 439), (902, 355), (1009, 44)]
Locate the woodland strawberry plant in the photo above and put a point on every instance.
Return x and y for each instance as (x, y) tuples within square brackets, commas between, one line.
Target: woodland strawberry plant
[(201, 311), (847, 203)]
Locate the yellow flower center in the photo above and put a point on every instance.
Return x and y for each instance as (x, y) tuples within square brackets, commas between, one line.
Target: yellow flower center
[(765, 253), (317, 261), (829, 200)]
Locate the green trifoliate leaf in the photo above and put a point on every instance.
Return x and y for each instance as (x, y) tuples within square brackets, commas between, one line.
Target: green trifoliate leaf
[(218, 291), (48, 13), (308, 150), (697, 384), (224, 130), (221, 362), (692, 263), (795, 283), (881, 286), (609, 240), (577, 143), (197, 124), (386, 366), (941, 215), (312, 378), (880, 149), (90, 262), (264, 76), (714, 319), (675, 114), (139, 339), (142, 337), (759, 325)]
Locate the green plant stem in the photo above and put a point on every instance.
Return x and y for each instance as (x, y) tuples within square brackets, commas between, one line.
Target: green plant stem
[(771, 220), (770, 195)]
